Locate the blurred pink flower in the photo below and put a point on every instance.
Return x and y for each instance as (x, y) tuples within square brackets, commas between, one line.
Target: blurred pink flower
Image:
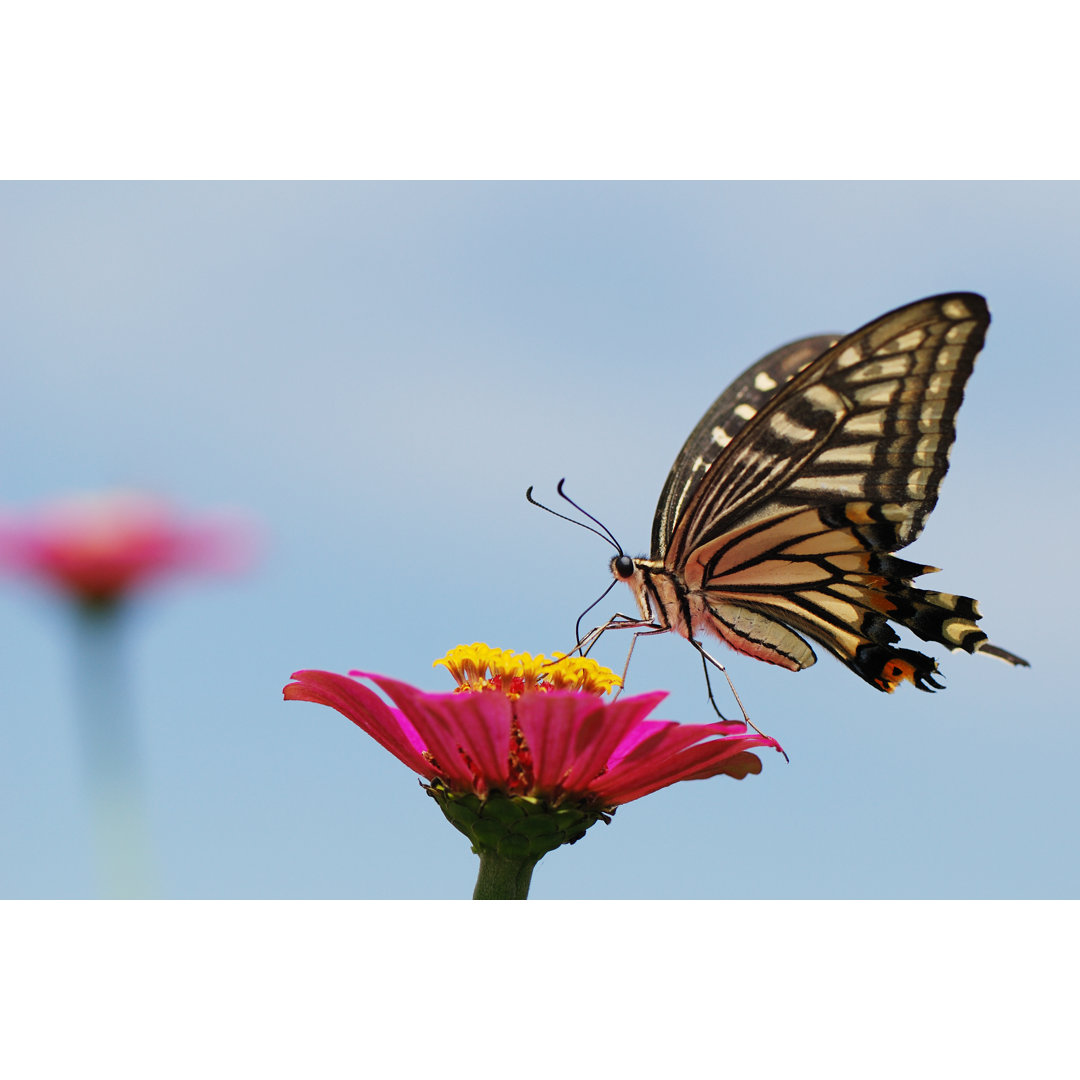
[(560, 747), (100, 547)]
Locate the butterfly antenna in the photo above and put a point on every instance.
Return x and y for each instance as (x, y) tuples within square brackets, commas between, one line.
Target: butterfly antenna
[(596, 521), (605, 535)]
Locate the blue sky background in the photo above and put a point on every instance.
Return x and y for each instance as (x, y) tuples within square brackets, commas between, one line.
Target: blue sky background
[(376, 372)]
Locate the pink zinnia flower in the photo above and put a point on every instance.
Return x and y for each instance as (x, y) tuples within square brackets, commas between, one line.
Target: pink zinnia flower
[(524, 756), (100, 547)]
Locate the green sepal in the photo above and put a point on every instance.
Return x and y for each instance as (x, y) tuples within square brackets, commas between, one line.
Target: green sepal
[(514, 826)]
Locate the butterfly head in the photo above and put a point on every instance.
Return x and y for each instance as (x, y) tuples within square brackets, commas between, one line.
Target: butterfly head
[(632, 571)]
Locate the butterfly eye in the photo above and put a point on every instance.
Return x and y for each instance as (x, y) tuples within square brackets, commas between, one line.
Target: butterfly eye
[(623, 565)]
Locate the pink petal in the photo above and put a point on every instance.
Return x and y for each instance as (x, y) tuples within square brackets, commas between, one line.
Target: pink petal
[(571, 734), (478, 724), (367, 710), (554, 726), (667, 765)]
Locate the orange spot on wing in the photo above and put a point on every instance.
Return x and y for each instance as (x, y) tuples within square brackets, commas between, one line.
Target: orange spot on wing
[(893, 673)]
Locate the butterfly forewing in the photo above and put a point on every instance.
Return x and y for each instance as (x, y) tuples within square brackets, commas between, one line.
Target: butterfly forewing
[(780, 514), (723, 421), (868, 424)]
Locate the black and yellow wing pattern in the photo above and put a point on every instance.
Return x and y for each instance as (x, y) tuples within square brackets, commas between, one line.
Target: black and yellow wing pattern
[(780, 516)]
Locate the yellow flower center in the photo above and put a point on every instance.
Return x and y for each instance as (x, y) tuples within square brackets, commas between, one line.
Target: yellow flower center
[(479, 667)]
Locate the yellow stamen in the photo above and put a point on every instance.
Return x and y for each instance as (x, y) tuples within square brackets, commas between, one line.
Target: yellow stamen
[(581, 673), (479, 667)]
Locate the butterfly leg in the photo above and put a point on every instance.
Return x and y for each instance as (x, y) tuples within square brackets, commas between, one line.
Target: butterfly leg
[(618, 621), (706, 659), (633, 641), (708, 686)]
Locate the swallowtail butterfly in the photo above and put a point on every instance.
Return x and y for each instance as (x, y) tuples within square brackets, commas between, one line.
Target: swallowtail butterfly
[(780, 516)]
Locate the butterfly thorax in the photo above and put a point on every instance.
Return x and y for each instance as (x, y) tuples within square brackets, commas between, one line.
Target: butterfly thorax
[(661, 598)]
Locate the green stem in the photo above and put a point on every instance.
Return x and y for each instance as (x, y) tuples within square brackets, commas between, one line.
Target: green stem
[(110, 756), (503, 879)]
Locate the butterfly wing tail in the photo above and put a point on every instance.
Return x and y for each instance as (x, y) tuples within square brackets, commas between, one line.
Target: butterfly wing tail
[(945, 618), (1001, 654)]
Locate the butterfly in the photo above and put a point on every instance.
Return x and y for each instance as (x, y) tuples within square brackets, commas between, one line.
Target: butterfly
[(779, 519)]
